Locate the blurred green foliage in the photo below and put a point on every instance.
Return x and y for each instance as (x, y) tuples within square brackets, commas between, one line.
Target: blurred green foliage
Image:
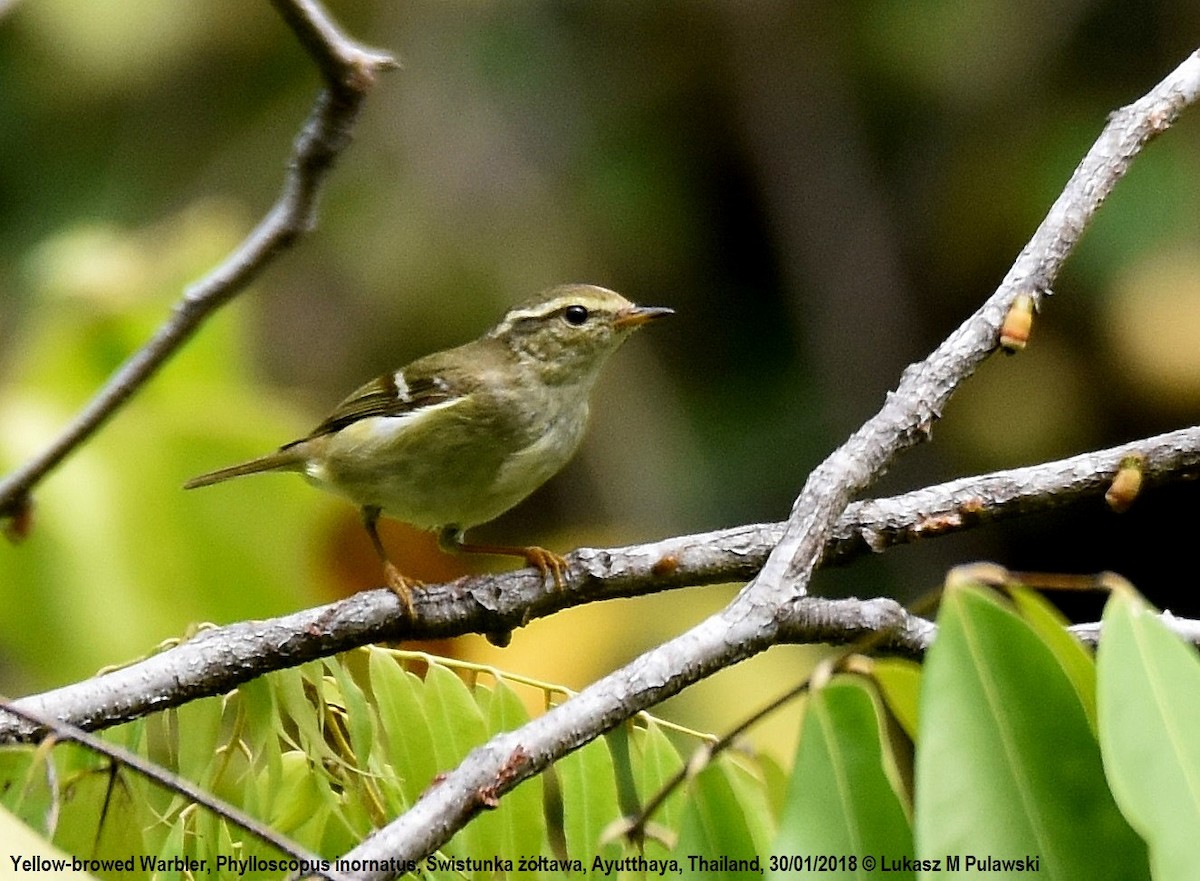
[(327, 752), (822, 190), (114, 563)]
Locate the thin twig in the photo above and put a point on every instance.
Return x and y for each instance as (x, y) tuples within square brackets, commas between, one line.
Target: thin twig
[(349, 72), (343, 63)]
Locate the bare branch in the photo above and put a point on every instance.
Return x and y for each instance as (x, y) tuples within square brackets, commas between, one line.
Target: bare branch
[(1187, 629), (753, 620), (773, 606), (349, 72), (219, 659), (959, 504), (925, 388)]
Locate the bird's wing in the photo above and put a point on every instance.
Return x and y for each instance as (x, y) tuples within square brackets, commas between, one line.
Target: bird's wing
[(388, 395)]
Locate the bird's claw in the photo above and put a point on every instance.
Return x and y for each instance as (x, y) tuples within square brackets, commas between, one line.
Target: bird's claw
[(402, 586), (548, 563)]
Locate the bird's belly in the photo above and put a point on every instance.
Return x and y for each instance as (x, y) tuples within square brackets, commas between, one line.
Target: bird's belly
[(463, 481)]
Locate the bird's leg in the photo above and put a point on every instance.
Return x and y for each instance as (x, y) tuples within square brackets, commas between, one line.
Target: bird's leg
[(401, 585), (450, 539)]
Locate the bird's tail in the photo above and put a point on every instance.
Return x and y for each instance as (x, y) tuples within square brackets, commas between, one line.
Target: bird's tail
[(282, 460)]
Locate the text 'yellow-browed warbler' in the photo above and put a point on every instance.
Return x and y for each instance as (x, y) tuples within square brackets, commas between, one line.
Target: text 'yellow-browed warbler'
[(458, 437)]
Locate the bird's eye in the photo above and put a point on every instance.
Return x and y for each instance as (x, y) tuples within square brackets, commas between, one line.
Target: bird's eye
[(575, 315)]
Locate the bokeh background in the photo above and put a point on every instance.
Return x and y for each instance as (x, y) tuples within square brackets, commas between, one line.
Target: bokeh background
[(821, 189)]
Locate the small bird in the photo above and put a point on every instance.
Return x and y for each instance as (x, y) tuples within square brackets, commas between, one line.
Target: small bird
[(458, 437)]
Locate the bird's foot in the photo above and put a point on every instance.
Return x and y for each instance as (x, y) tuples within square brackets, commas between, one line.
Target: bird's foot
[(402, 586), (548, 563)]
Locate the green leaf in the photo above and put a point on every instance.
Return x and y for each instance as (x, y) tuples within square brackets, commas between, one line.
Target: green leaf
[(399, 696), (841, 801), (359, 715), (21, 841), (176, 840), (723, 831), (589, 797), (519, 823), (1149, 696), (257, 726), (775, 782), (457, 726), (655, 762), (260, 720), (23, 788), (81, 827), (899, 682), (1007, 764), (290, 692), (279, 757), (1050, 625), (454, 718), (199, 735), (750, 789), (298, 797)]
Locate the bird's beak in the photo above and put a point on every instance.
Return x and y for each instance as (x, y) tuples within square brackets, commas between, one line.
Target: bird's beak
[(636, 316)]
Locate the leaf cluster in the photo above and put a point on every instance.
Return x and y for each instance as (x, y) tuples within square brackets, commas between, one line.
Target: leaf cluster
[(1011, 741), (326, 752)]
